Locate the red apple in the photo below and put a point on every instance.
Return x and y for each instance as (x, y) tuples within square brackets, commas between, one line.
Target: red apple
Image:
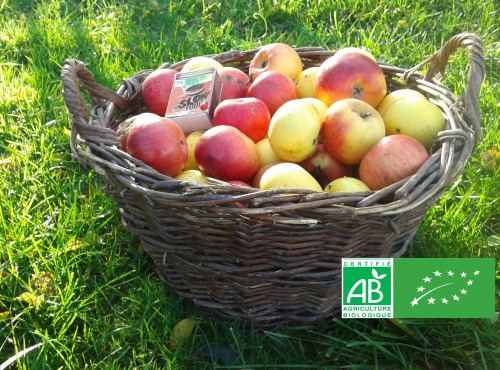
[(324, 167), (391, 159), (225, 153), (239, 183), (350, 128), (274, 89), (156, 90), (249, 115), (159, 143), (276, 57), (350, 74), (234, 83), (125, 126)]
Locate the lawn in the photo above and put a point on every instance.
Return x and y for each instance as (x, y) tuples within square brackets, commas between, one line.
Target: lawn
[(78, 291)]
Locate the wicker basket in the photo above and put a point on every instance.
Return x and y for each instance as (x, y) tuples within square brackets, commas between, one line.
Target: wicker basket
[(278, 260)]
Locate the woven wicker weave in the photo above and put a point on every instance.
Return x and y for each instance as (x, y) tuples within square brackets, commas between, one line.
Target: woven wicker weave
[(278, 260)]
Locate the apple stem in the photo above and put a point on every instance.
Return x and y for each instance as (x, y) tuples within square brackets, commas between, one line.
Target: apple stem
[(365, 115), (250, 79)]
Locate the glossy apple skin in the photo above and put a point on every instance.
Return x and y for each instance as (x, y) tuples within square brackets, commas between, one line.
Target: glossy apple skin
[(227, 154), (234, 83), (391, 159), (249, 115), (324, 167), (274, 89), (255, 182), (159, 143), (278, 57), (350, 128), (350, 75), (156, 90)]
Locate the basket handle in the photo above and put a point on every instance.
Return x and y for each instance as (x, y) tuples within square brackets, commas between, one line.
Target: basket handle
[(439, 60)]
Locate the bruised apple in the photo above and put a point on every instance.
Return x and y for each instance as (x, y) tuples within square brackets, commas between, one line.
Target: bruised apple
[(274, 89), (156, 90), (159, 143), (234, 83), (225, 153), (391, 159), (350, 74), (324, 167), (249, 115), (350, 128), (276, 57)]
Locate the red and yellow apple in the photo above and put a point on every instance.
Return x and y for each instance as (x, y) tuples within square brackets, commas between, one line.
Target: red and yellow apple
[(255, 182), (276, 57), (225, 153), (350, 74), (125, 126), (159, 143), (350, 128), (234, 83), (274, 89), (249, 115), (390, 160), (156, 90), (324, 167)]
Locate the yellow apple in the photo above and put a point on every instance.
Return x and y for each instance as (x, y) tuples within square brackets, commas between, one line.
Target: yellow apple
[(277, 57), (415, 117), (319, 105), (294, 129), (346, 184), (395, 96), (193, 176), (288, 176), (305, 82), (199, 63), (191, 141), (266, 154)]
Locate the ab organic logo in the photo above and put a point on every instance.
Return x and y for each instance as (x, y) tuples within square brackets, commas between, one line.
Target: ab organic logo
[(418, 288)]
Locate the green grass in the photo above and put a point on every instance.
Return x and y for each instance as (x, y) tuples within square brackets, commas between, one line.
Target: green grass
[(104, 305)]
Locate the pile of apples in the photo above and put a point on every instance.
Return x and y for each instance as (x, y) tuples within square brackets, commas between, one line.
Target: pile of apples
[(326, 128)]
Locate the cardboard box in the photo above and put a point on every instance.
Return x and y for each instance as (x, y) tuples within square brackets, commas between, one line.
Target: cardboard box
[(194, 97)]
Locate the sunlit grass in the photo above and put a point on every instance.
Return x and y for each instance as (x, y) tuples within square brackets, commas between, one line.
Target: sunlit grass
[(102, 304)]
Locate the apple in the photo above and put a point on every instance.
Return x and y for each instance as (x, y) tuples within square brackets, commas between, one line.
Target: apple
[(156, 90), (266, 154), (288, 176), (395, 96), (350, 128), (125, 126), (390, 160), (415, 117), (239, 183), (346, 184), (193, 176), (225, 153), (159, 143), (324, 167), (191, 140), (350, 74), (304, 82), (199, 63), (249, 115), (274, 89), (318, 105), (276, 57), (352, 49), (255, 182), (234, 83), (294, 129)]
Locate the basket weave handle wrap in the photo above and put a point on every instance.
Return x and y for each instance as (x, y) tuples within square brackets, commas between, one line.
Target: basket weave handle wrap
[(439, 60)]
